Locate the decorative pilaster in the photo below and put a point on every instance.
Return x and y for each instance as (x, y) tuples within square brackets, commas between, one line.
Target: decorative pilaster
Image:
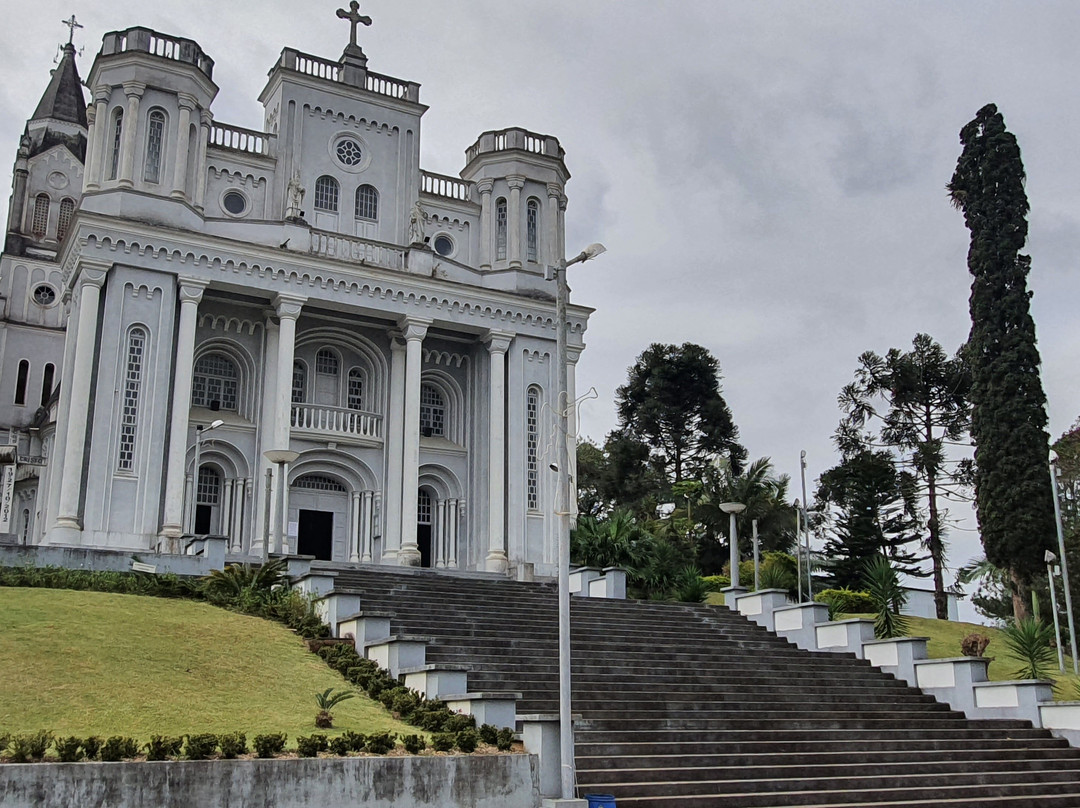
[(205, 121), (367, 522), (552, 219), (514, 220), (356, 519), (191, 292), (395, 446), (183, 142), (497, 344), (133, 90), (414, 330), (84, 365), (484, 187)]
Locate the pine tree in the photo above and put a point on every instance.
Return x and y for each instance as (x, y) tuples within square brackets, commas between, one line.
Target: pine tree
[(1008, 423)]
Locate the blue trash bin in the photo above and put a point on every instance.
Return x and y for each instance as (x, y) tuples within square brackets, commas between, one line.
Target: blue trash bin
[(600, 800)]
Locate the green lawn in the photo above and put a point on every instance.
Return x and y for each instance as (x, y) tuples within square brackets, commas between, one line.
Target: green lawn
[(89, 663)]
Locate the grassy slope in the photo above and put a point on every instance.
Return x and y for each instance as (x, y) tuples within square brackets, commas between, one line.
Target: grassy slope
[(82, 663)]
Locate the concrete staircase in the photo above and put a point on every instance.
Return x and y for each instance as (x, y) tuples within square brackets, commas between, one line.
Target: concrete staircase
[(685, 705)]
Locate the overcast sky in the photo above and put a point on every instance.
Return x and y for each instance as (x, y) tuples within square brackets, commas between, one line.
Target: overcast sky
[(769, 177)]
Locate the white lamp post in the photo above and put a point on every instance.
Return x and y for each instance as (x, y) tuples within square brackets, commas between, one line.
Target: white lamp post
[(731, 509), (566, 729), (200, 432), (1050, 558), (280, 458), (757, 558), (1064, 562), (798, 545)]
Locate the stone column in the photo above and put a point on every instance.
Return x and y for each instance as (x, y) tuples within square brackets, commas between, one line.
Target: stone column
[(240, 489), (288, 309), (394, 437), (452, 539), (225, 518), (183, 142), (133, 90), (415, 330), (366, 522), (356, 529), (97, 139), (191, 292), (84, 365), (205, 121), (552, 240), (63, 418), (438, 539), (514, 220), (484, 187), (267, 436), (497, 344)]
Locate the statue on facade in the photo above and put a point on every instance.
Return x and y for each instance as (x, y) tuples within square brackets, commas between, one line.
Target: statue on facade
[(417, 217), (295, 193)]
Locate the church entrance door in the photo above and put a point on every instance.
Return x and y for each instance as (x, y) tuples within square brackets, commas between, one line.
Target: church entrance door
[(424, 520), (315, 534)]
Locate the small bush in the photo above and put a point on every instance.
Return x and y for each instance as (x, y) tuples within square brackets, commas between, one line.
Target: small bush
[(91, 747), (162, 747), (339, 746), (505, 739), (354, 740), (430, 715), (716, 582), (443, 741), (270, 745), (974, 645), (311, 745), (30, 747), (414, 744), (467, 740), (380, 743), (459, 721), (845, 601), (119, 748), (489, 733), (404, 704), (233, 744), (69, 750), (201, 746)]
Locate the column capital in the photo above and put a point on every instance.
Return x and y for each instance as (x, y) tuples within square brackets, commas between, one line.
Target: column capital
[(573, 353), (93, 273), (554, 191), (414, 328), (485, 186), (498, 341), (134, 89), (191, 289), (516, 181), (206, 118), (186, 101), (562, 203), (288, 307), (102, 93)]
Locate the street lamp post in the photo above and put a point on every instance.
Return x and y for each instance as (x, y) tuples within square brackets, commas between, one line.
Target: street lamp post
[(731, 509), (566, 729), (806, 527), (1064, 561), (798, 545), (200, 432), (280, 458), (1050, 559), (757, 558)]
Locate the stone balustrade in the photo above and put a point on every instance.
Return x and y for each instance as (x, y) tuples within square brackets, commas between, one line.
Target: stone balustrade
[(336, 420), (164, 46), (357, 250), (444, 186), (236, 138)]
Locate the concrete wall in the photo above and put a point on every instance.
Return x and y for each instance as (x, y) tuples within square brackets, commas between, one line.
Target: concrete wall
[(91, 558), (477, 781)]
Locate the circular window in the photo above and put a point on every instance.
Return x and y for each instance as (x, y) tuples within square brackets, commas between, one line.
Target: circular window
[(234, 202), (444, 245), (44, 295), (348, 152)]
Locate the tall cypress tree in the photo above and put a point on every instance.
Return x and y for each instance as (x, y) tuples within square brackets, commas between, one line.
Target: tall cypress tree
[(1008, 420)]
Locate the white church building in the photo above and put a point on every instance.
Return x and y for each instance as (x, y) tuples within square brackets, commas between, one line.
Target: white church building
[(181, 297)]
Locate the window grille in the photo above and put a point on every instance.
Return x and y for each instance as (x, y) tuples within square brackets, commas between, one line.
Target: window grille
[(209, 490), (356, 389), (40, 224), (155, 140), (432, 412), (326, 194), (299, 382), (367, 203), (500, 230), (67, 210), (532, 445), (118, 132), (129, 414), (348, 152), (531, 224), (423, 507), (326, 361), (317, 482), (215, 379)]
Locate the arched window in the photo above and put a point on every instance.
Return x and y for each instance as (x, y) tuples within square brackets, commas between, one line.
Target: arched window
[(40, 225), (367, 203), (356, 389), (532, 223), (299, 382), (117, 138), (326, 362), (326, 194), (318, 482), (25, 525), (532, 445), (67, 210), (47, 383), (500, 229), (20, 382), (432, 412), (129, 413), (215, 383), (155, 144)]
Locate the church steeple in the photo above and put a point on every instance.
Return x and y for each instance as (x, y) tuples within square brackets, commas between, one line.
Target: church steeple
[(63, 99)]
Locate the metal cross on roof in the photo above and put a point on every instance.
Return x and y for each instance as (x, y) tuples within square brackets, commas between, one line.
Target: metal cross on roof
[(72, 24), (355, 18)]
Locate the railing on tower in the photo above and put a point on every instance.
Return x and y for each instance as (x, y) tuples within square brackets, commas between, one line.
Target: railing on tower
[(328, 69), (236, 138), (514, 139), (336, 420), (442, 185), (145, 40), (357, 250)]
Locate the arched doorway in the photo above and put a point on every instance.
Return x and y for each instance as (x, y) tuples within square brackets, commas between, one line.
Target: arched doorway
[(321, 505), (424, 525)]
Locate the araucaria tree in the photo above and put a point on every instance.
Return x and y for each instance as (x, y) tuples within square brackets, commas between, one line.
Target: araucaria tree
[(1008, 423), (671, 401), (919, 401)]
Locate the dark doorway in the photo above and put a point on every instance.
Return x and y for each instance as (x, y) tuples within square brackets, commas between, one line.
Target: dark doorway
[(423, 542), (203, 516), (315, 534)]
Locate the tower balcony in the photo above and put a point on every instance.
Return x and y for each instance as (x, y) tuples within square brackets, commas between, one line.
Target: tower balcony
[(345, 424)]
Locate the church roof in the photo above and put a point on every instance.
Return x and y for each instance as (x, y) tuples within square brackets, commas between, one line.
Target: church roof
[(63, 99)]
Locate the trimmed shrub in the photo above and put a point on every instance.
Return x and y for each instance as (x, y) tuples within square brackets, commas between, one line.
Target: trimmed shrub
[(443, 741), (311, 745), (354, 740), (233, 744), (489, 733), (845, 601), (269, 745), (414, 744), (69, 750), (30, 747), (380, 743), (467, 740), (91, 747), (405, 704), (201, 746), (717, 582), (119, 748), (458, 722), (162, 747), (339, 746), (505, 739)]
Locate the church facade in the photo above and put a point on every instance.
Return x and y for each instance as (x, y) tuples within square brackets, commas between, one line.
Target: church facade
[(295, 338)]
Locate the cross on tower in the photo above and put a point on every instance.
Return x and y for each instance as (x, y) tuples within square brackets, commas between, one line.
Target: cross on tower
[(72, 24), (355, 18)]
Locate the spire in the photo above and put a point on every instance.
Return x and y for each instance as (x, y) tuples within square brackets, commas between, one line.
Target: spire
[(63, 99)]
